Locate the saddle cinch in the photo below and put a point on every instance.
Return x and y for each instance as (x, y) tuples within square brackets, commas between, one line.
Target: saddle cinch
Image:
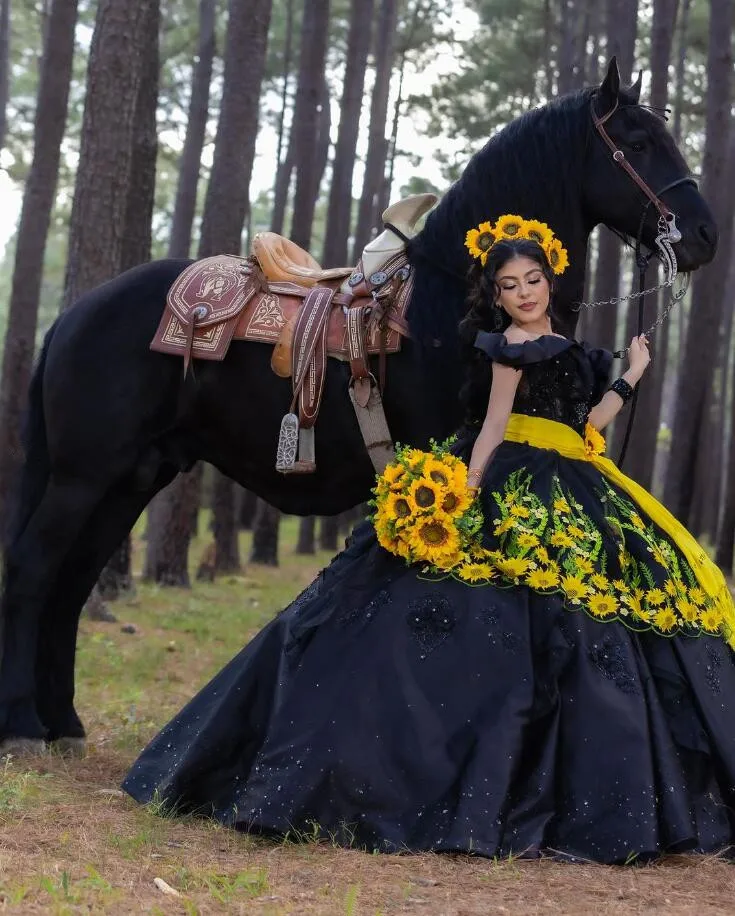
[(281, 295)]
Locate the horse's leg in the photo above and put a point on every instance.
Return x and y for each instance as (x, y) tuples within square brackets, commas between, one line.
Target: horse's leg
[(32, 564), (111, 520)]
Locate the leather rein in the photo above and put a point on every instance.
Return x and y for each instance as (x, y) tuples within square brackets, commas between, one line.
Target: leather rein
[(668, 232)]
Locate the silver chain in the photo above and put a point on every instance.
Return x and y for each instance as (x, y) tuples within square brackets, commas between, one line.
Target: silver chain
[(671, 267)]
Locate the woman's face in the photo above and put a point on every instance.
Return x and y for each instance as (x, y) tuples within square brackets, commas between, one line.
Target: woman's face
[(523, 290)]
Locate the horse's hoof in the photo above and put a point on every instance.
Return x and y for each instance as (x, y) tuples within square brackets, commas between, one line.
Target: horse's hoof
[(70, 747), (22, 747)]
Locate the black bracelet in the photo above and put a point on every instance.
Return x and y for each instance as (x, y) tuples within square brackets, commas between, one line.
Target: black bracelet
[(622, 389)]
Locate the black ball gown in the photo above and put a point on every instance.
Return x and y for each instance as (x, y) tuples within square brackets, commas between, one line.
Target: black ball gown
[(579, 699)]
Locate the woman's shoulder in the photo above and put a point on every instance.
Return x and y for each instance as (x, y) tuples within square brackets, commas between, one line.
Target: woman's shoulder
[(516, 349)]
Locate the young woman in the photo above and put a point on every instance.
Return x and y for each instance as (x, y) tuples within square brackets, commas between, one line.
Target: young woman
[(566, 689)]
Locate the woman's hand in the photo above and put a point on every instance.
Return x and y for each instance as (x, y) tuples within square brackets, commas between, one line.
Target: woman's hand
[(638, 355)]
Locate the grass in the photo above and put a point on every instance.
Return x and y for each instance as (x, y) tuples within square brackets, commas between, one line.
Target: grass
[(71, 842)]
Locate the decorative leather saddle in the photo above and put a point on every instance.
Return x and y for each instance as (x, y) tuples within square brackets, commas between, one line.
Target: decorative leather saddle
[(224, 298)]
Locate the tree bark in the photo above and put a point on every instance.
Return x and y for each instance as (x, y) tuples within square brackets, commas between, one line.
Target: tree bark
[(170, 530), (340, 192), (227, 202), (725, 544), (306, 542), (100, 196), (372, 185), (248, 508), (305, 127), (709, 283), (5, 67), (196, 126), (680, 77), (329, 532), (265, 535), (35, 217)]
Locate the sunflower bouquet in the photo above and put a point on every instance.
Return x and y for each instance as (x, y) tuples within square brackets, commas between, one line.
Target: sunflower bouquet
[(424, 511)]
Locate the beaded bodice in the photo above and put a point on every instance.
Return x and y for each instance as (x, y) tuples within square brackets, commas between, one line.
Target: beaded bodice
[(561, 380)]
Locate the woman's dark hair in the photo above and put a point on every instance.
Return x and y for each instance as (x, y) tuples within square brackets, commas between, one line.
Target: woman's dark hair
[(484, 315)]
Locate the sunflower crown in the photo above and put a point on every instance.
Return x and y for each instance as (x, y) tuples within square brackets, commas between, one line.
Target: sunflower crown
[(479, 241)]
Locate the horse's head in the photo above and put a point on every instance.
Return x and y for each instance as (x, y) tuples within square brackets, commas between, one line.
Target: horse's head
[(612, 195)]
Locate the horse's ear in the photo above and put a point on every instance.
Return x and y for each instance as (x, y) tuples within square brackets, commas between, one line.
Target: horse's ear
[(635, 90), (609, 89)]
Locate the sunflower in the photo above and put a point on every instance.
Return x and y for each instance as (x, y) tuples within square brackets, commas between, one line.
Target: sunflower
[(584, 565), (414, 459), (655, 597), (574, 588), (561, 505), (434, 538), (542, 578), (542, 555), (455, 502), (576, 532), (620, 585), (670, 588), (665, 620), (527, 540), (634, 603), (424, 493), (697, 595), (509, 226), (594, 441), (396, 509), (557, 255), (688, 610), (602, 605), (437, 471), (512, 567), (392, 474), (475, 572), (711, 620), (538, 232), (560, 539), (502, 527), (600, 582), (479, 241), (519, 511)]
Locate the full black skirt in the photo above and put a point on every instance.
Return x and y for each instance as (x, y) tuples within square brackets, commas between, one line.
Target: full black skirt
[(391, 711)]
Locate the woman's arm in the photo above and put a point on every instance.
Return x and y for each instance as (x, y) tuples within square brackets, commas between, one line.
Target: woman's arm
[(611, 403), (500, 405)]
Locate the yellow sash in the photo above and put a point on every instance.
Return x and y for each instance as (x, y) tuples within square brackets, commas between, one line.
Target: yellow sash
[(548, 434)]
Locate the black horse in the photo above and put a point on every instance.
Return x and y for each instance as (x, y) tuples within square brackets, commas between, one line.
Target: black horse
[(110, 422)]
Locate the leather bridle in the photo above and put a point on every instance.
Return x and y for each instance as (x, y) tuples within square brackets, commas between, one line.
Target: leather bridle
[(667, 227)]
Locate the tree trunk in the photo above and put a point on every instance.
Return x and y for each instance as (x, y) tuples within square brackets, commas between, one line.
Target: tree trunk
[(305, 127), (169, 515), (35, 217), (306, 541), (340, 192), (725, 543), (680, 77), (5, 67), (100, 196), (248, 508), (196, 125), (265, 535), (329, 532), (116, 578), (709, 283), (372, 185), (170, 530), (603, 320), (284, 173), (227, 202)]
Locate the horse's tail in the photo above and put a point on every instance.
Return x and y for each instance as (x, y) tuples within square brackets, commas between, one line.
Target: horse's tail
[(36, 469)]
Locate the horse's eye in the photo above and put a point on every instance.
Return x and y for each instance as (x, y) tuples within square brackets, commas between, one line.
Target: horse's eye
[(638, 146)]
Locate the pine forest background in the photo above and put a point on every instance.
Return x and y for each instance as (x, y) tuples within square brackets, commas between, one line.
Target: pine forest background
[(132, 131)]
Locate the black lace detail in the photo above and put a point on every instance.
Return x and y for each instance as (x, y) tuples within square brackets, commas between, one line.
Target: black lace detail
[(431, 620), (313, 590), (367, 611), (510, 641), (714, 663), (608, 657)]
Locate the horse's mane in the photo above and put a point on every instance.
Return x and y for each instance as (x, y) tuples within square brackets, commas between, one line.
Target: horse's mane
[(522, 169)]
